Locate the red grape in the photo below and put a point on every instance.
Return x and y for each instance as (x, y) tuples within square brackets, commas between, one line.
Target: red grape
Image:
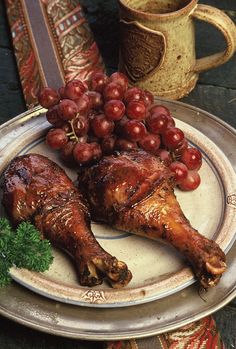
[(150, 142), (56, 138), (97, 151), (124, 144), (120, 79), (83, 104), (148, 98), (67, 153), (181, 148), (80, 125), (180, 171), (191, 182), (53, 117), (133, 93), (61, 92), (74, 89), (95, 99), (157, 123), (114, 109), (101, 126), (136, 110), (134, 130), (112, 91), (173, 137), (108, 144), (192, 158), (160, 109), (83, 153), (67, 109), (98, 81), (66, 127), (48, 97), (171, 122)]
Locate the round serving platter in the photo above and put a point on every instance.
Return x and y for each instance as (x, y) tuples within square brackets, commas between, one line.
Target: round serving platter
[(157, 269), (179, 304)]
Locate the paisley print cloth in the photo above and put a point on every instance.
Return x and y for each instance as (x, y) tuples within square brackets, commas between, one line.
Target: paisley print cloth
[(53, 44)]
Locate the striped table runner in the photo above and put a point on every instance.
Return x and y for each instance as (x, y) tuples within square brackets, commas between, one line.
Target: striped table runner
[(53, 44)]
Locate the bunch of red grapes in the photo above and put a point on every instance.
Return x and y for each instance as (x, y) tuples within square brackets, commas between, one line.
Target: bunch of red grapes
[(95, 119)]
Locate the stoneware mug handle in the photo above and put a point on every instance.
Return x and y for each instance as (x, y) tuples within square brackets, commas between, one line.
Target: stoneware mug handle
[(222, 22)]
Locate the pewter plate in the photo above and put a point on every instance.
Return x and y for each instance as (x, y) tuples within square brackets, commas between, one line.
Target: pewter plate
[(141, 320), (158, 270)]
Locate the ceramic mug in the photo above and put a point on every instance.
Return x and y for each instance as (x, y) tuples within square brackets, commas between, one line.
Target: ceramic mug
[(157, 48)]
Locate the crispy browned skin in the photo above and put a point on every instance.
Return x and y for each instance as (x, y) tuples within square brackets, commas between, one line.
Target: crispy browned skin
[(36, 189), (133, 191)]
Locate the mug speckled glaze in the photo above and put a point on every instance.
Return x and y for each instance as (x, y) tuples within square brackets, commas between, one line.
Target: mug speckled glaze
[(157, 48)]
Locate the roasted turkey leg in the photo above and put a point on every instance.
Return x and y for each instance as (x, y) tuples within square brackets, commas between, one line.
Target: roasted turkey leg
[(38, 190), (133, 191)]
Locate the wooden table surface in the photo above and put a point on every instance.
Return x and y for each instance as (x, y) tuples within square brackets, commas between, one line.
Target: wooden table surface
[(215, 93)]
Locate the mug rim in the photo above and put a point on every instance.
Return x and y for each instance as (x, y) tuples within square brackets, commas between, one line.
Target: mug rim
[(149, 15)]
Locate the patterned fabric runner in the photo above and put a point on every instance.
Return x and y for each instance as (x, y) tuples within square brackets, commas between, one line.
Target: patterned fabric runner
[(54, 44)]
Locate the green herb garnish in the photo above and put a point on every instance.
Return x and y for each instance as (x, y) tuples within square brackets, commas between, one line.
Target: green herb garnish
[(22, 248)]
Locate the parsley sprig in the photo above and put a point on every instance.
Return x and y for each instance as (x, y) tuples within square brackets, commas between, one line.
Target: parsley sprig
[(22, 248)]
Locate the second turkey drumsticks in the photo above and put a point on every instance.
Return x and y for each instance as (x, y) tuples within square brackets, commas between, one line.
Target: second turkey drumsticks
[(134, 191)]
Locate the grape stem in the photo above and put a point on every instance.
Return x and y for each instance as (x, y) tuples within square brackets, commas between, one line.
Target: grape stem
[(72, 134)]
